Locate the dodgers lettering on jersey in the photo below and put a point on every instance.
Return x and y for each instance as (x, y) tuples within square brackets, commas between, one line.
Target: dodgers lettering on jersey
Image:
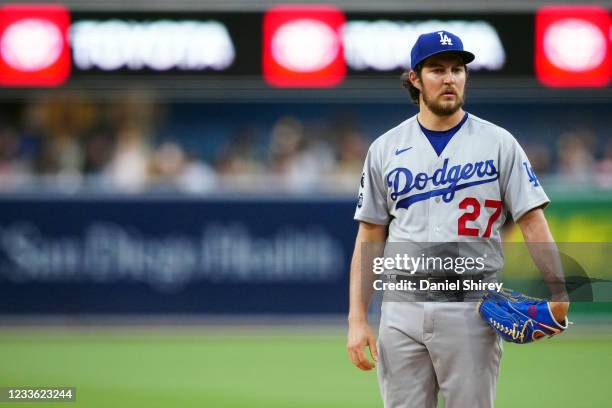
[(462, 195), (402, 181)]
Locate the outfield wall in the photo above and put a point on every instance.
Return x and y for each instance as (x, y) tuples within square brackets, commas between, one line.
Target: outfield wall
[(155, 255)]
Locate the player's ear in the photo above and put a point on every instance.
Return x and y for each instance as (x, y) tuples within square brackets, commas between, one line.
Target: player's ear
[(414, 79)]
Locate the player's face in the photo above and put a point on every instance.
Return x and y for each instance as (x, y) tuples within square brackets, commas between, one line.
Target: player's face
[(443, 84)]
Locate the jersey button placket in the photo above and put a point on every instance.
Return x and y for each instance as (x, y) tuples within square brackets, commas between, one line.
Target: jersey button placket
[(431, 221), (433, 206)]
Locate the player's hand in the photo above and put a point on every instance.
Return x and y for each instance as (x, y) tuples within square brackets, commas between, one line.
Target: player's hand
[(360, 335), (559, 310)]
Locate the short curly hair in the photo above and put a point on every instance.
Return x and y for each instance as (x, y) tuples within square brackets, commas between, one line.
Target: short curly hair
[(414, 92)]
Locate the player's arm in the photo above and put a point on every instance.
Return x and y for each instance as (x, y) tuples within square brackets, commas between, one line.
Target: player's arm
[(543, 250), (360, 334)]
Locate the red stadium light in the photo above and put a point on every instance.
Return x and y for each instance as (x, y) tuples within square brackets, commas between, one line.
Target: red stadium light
[(303, 46), (34, 49), (573, 46)]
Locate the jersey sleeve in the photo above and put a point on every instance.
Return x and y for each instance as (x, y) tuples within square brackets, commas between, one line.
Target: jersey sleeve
[(372, 200), (521, 190)]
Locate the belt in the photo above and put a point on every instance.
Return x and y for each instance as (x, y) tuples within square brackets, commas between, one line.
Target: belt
[(456, 281)]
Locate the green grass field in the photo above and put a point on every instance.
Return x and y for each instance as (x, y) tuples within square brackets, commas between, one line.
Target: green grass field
[(268, 368)]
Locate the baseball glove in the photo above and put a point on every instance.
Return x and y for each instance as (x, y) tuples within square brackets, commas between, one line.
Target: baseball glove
[(519, 318)]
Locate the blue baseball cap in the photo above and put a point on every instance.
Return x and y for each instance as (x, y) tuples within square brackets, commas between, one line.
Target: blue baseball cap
[(435, 43)]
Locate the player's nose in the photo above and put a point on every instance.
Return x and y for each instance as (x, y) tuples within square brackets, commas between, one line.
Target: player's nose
[(449, 77)]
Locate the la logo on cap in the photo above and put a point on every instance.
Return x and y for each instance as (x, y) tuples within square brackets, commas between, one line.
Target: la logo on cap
[(445, 39)]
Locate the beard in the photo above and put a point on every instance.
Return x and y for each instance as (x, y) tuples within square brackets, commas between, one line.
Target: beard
[(443, 108)]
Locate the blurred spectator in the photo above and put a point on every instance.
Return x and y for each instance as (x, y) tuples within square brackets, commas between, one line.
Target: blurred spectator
[(604, 167), (240, 155), (167, 162), (196, 176), (171, 166), (286, 142), (128, 167), (539, 157), (303, 162), (576, 156), (13, 170), (352, 149), (69, 140), (64, 115), (98, 148)]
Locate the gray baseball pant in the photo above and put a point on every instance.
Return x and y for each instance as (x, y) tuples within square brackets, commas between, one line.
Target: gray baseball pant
[(430, 347)]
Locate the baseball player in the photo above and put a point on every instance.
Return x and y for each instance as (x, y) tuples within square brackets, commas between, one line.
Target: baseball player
[(443, 175)]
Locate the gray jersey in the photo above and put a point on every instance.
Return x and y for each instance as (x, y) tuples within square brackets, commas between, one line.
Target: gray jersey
[(463, 195)]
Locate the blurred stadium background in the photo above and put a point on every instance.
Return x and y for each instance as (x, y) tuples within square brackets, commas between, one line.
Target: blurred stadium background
[(177, 183)]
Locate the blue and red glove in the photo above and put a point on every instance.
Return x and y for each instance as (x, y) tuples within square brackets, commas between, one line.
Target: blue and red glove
[(519, 318)]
